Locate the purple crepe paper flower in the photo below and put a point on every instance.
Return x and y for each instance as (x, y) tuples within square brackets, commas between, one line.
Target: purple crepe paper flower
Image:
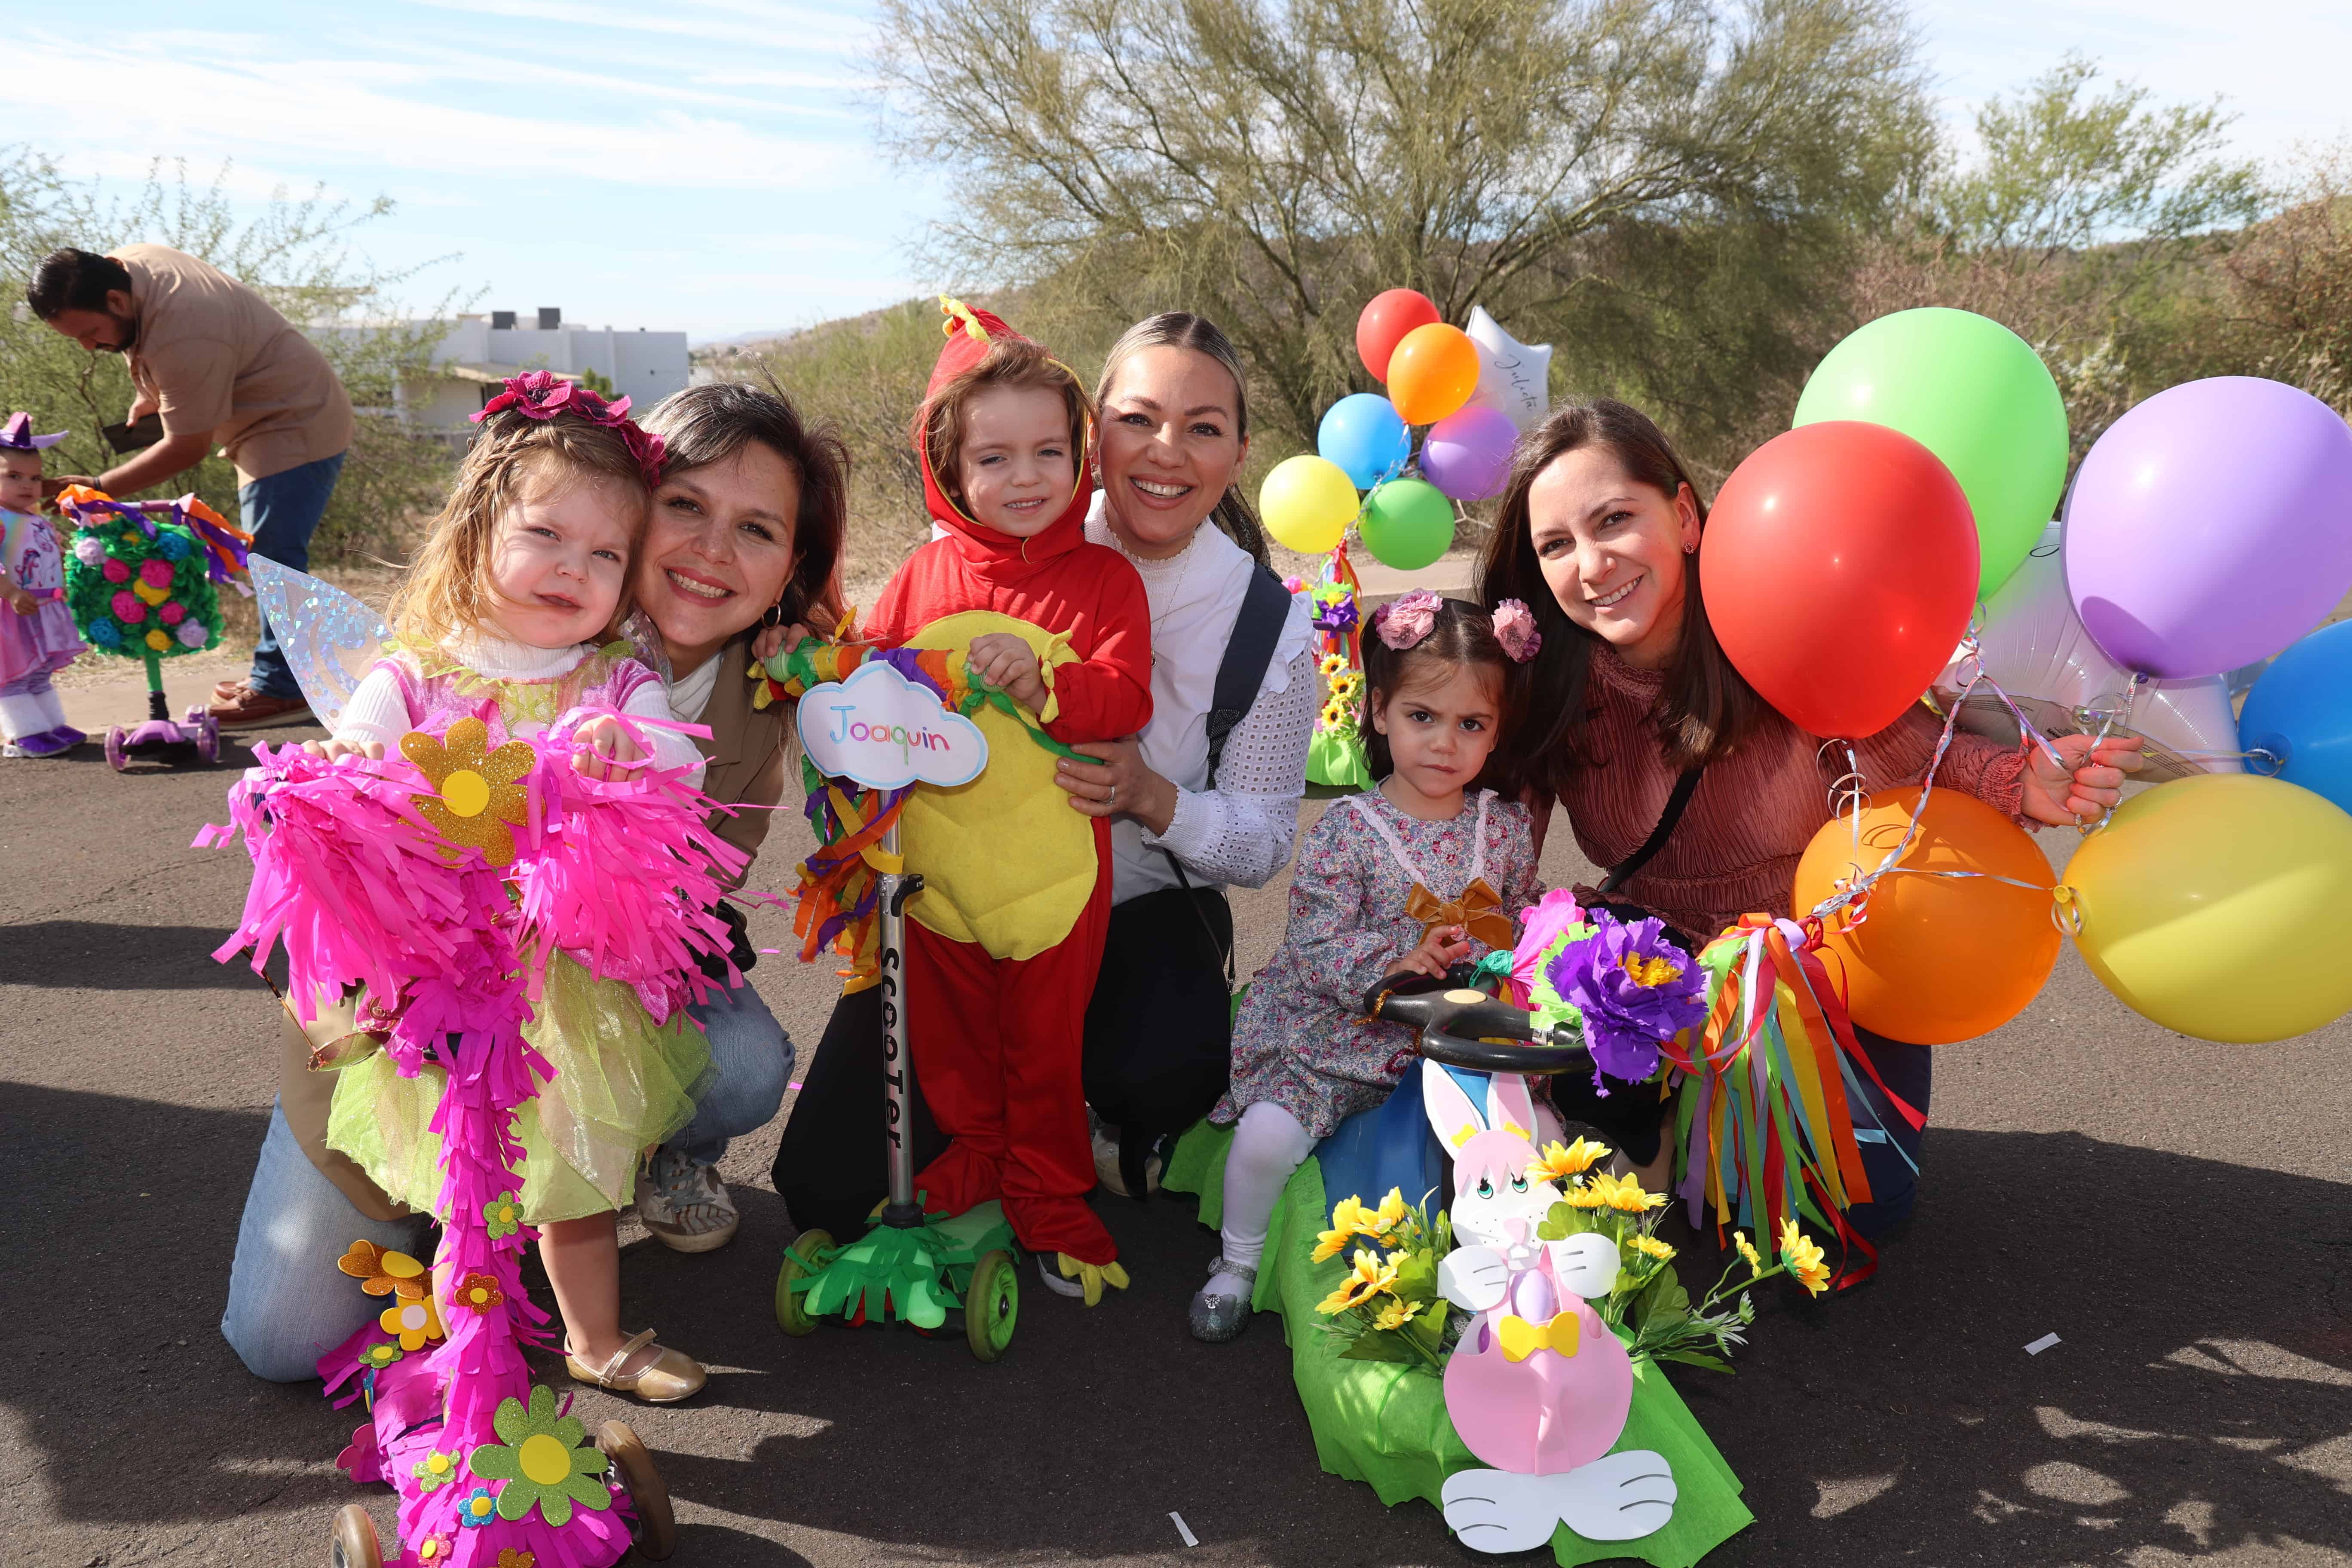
[(89, 551), (1337, 615), (1634, 988)]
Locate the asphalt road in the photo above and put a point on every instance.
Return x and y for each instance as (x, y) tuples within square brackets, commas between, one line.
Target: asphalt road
[(2176, 1211)]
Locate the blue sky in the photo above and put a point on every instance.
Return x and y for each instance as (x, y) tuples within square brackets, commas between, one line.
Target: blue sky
[(708, 165)]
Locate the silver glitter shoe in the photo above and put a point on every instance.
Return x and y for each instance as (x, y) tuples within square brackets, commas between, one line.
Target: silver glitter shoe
[(1216, 1317)]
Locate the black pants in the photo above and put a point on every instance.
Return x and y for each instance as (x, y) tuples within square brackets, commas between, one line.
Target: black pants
[(832, 1165), (1160, 1026)]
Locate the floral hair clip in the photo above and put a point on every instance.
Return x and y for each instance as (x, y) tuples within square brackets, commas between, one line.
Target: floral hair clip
[(1515, 628), (1403, 621), (543, 394)]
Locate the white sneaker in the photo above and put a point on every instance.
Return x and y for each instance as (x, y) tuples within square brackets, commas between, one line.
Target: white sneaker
[(1107, 1169), (686, 1205)]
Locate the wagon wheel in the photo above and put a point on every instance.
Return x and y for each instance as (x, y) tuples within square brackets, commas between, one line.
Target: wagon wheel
[(356, 1545), (792, 1310), (992, 1305), (627, 1462)]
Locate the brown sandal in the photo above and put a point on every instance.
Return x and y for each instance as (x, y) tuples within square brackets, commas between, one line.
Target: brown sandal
[(670, 1376)]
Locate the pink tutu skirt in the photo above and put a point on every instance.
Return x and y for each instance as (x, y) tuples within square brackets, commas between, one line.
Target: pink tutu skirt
[(44, 640)]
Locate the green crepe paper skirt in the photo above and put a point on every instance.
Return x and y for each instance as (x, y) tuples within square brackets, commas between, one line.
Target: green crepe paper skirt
[(622, 1085), (1385, 1424)]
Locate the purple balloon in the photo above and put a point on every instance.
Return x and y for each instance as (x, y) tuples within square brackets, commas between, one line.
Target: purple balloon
[(2211, 526), (1468, 453)]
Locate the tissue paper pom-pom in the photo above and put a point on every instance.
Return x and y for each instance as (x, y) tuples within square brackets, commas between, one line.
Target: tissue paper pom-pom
[(129, 608), (104, 634), (115, 571), (89, 551), (158, 640), (191, 635), (172, 546), (155, 573), (171, 611)]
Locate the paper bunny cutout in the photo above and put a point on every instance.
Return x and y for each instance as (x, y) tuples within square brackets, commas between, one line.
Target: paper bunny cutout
[(1539, 1387)]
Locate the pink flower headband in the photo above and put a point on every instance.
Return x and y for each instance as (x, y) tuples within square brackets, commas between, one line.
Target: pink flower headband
[(543, 394), (1403, 622)]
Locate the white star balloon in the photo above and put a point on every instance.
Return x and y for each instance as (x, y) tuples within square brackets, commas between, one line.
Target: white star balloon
[(1512, 377)]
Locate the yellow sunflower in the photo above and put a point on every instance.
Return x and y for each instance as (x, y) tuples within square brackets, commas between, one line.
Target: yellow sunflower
[(1804, 1259), (477, 801), (1365, 1281), (1559, 1160), (1649, 1246), (1397, 1314), (1583, 1195), (1747, 1251), (1625, 1195)]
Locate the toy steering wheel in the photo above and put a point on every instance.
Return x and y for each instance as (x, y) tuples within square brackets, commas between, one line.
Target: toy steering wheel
[(1466, 1028)]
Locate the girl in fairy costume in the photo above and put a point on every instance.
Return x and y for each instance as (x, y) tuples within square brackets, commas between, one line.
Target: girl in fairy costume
[(502, 615)]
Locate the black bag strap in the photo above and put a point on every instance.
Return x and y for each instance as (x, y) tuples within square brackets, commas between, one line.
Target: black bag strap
[(1265, 605), (1676, 804)]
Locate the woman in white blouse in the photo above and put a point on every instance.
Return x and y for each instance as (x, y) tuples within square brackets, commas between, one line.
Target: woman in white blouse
[(1173, 433)]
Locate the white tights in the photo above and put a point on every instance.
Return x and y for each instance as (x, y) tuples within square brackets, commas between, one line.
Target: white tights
[(1269, 1146)]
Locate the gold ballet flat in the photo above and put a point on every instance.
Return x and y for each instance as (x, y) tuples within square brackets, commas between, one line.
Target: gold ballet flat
[(670, 1376)]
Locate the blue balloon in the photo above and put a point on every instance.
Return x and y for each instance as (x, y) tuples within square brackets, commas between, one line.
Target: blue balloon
[(2300, 712), (1365, 436)]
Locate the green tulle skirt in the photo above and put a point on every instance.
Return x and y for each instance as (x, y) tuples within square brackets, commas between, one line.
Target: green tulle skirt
[(623, 1084)]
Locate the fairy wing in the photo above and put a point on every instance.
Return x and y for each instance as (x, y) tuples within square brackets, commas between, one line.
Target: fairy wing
[(331, 639)]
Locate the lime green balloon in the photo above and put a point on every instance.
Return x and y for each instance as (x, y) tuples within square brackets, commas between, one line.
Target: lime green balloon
[(1977, 395), (1408, 524), (1307, 502)]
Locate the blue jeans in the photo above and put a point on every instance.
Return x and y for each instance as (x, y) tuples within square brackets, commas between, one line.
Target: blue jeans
[(282, 511), (751, 1067), (287, 1302)]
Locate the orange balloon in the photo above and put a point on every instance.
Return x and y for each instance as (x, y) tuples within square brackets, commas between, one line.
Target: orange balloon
[(1432, 373), (1936, 959)]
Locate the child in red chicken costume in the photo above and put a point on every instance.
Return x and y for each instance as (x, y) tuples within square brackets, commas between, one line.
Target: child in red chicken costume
[(1005, 941)]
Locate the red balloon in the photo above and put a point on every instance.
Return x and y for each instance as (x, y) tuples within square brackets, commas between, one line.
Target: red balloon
[(1840, 568), (1384, 323)]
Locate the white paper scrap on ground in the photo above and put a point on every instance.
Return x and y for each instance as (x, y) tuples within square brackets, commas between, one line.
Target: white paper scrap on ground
[(2044, 1344), (1185, 1530)]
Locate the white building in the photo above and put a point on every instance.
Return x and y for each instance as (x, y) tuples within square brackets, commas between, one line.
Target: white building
[(480, 352)]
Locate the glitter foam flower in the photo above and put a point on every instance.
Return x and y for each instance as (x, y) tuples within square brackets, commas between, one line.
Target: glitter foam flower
[(502, 1215), (477, 801), (1634, 989), (478, 1291), (1366, 1278), (434, 1471), (545, 1460), (381, 1271), (478, 1507)]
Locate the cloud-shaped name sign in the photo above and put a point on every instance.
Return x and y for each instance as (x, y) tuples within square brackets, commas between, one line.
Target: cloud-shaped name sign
[(882, 731)]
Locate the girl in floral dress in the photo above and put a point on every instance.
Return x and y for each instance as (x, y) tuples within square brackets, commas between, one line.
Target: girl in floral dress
[(1418, 873)]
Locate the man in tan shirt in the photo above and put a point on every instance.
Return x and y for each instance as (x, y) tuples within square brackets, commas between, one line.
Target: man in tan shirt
[(223, 369)]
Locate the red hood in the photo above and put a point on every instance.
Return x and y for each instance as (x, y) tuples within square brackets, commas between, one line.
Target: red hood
[(999, 556)]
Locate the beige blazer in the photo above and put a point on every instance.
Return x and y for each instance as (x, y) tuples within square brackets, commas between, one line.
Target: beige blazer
[(747, 752)]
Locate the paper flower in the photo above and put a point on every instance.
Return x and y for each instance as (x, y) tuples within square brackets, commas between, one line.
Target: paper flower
[(435, 1549), (151, 594), (543, 394), (416, 1322), (1366, 1278), (517, 1557), (174, 546), (1515, 628), (478, 1507), (1803, 1258), (171, 613), (1559, 1160), (155, 573), (1403, 622), (434, 1471), (478, 1291), (127, 607), (113, 570), (502, 1215), (89, 551), (546, 1460), (1336, 614), (381, 1271), (478, 801), (106, 634), (192, 634), (381, 1354), (1634, 989), (158, 638)]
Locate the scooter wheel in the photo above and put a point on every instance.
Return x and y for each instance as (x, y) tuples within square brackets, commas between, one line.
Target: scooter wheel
[(626, 1461), (207, 734), (116, 757), (356, 1543), (993, 1305), (791, 1309)]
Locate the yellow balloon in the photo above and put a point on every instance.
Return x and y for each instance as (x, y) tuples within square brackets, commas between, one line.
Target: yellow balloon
[(1307, 502), (2209, 905)]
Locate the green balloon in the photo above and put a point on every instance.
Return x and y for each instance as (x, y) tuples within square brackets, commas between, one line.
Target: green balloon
[(1407, 524), (1977, 395)]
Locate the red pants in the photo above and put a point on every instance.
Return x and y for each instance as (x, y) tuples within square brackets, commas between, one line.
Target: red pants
[(998, 1045)]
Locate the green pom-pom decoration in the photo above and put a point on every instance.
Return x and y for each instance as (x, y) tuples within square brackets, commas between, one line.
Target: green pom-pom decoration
[(137, 597)]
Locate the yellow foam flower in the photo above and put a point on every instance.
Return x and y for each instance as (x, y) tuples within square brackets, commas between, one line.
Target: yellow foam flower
[(416, 1322), (1649, 1246), (1397, 1314), (1559, 1160), (1804, 1259), (1747, 1251), (1366, 1280), (478, 797)]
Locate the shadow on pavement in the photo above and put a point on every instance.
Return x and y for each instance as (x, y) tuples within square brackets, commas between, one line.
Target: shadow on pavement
[(100, 955)]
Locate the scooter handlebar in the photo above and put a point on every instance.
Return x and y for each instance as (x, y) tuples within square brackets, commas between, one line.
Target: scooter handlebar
[(1466, 1028)]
